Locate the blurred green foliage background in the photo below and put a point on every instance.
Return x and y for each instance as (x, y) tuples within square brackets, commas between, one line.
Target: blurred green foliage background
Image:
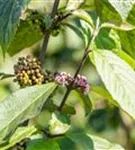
[(64, 54)]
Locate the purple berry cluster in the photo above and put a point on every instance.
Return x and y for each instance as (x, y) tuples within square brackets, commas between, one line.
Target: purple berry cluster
[(65, 79)]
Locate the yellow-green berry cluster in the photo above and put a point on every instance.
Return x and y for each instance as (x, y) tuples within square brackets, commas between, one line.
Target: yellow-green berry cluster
[(28, 71)]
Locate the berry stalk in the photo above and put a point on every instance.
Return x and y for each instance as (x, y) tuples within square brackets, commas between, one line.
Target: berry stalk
[(69, 89), (86, 52)]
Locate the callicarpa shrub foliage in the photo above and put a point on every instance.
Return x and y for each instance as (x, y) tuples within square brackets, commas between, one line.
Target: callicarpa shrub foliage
[(107, 31)]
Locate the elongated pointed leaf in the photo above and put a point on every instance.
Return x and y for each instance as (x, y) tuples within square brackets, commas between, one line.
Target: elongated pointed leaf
[(84, 16), (89, 142), (10, 12), (119, 79), (22, 105), (20, 134), (122, 26), (100, 143)]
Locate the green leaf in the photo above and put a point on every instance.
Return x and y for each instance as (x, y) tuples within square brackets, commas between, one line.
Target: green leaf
[(41, 144), (89, 142), (118, 78), (10, 12), (20, 134), (22, 105), (131, 16), (82, 140), (65, 143), (103, 92), (84, 16), (107, 12), (27, 34), (100, 143), (88, 5), (125, 57), (86, 30), (76, 30), (122, 26), (80, 32), (127, 42), (68, 110), (84, 101), (56, 126), (104, 41), (122, 7)]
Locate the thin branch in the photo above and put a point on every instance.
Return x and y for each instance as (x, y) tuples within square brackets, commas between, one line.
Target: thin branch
[(47, 34), (86, 52), (44, 46), (69, 89)]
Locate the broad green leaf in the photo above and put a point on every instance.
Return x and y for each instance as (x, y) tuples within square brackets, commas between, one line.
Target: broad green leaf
[(22, 105), (104, 41), (10, 12), (84, 101), (107, 12), (89, 142), (118, 78), (20, 134), (84, 16), (127, 41), (122, 7), (73, 5), (41, 144), (27, 34)]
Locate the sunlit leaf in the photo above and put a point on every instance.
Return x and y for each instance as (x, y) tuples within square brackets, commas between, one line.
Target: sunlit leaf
[(118, 78), (22, 105), (122, 7), (122, 26), (84, 16), (20, 134)]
